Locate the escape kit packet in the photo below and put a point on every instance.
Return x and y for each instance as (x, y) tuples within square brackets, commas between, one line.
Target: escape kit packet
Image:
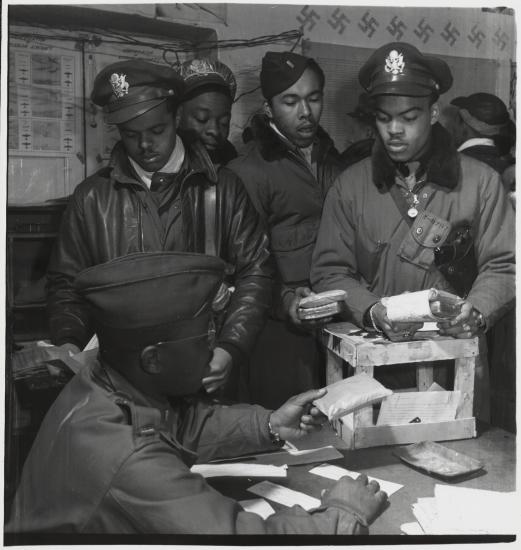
[(423, 305), (350, 394), (323, 304)]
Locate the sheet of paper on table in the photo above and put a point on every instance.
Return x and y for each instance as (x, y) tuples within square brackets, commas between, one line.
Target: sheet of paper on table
[(463, 510), (288, 456), (239, 469), (257, 506), (283, 495), (424, 406), (336, 472)]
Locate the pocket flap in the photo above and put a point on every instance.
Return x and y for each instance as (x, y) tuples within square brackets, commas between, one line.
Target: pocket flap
[(429, 230), (285, 239)]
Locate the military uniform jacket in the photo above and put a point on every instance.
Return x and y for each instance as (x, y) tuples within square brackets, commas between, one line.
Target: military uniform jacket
[(366, 248), (112, 214), (288, 195), (110, 460)]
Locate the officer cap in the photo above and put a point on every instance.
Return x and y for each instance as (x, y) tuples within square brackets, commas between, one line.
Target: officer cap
[(147, 297), (128, 89), (280, 70), (399, 68), (199, 74), (483, 112)]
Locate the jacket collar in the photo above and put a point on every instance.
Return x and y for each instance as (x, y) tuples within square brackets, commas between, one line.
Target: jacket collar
[(197, 161), (441, 162), (273, 147)]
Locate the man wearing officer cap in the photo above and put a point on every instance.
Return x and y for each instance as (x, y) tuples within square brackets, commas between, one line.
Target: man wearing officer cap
[(114, 453), (385, 216), (206, 108), (151, 197), (287, 171)]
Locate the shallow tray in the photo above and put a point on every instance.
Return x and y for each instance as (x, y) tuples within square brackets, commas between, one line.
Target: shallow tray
[(437, 459)]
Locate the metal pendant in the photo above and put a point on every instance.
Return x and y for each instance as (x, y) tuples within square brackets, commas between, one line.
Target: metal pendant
[(412, 212)]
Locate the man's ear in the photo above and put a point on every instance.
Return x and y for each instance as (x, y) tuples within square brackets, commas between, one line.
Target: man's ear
[(150, 362), (267, 109), (435, 113)]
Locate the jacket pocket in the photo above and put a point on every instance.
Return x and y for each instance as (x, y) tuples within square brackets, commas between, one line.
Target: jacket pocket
[(426, 233), (293, 248), (368, 253)]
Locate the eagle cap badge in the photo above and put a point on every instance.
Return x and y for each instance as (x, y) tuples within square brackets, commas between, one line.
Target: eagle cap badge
[(394, 63), (119, 84)]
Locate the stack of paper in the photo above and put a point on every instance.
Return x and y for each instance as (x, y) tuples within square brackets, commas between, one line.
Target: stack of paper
[(239, 469), (463, 511)]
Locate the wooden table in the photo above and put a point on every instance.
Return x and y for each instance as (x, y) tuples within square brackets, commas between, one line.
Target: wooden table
[(493, 446)]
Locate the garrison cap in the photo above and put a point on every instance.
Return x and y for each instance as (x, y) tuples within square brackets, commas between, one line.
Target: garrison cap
[(198, 74), (128, 89), (399, 68), (280, 70), (484, 113), (143, 298)]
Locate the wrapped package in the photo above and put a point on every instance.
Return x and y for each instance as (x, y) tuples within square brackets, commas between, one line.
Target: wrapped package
[(350, 394), (421, 306), (323, 304)]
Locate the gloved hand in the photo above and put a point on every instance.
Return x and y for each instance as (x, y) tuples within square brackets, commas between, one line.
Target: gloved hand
[(362, 499)]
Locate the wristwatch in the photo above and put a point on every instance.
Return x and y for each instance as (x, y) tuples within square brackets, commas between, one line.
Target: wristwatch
[(274, 436), (480, 321)]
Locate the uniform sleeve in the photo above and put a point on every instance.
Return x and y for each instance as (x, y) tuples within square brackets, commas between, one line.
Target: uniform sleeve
[(245, 246), (155, 492), (493, 290), (334, 264), (67, 312)]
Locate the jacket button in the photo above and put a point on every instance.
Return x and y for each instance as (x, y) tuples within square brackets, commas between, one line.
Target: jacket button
[(419, 231), (436, 239), (451, 269)]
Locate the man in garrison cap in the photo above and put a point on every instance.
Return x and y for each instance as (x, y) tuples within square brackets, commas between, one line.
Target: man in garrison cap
[(114, 453), (387, 219), (206, 108), (483, 129), (288, 168), (153, 196)]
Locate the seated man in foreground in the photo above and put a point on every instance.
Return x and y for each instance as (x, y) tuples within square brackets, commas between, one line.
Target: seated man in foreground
[(113, 454)]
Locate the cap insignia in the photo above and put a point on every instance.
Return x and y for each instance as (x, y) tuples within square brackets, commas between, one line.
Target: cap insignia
[(394, 63), (119, 84), (290, 64)]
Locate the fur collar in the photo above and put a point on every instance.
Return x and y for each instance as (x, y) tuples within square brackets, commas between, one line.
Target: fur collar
[(272, 147), (442, 162)]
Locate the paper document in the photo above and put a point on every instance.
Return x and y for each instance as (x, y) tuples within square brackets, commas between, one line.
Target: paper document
[(461, 510), (239, 469), (257, 506), (418, 407), (412, 528), (336, 472), (283, 495)]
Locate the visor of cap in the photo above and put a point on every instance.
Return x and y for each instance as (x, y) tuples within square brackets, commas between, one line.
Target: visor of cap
[(131, 111)]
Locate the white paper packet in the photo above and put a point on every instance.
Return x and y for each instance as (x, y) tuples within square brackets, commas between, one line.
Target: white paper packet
[(349, 394)]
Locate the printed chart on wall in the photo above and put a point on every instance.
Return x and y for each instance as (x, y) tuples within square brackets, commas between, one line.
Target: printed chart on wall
[(45, 131), (41, 102)]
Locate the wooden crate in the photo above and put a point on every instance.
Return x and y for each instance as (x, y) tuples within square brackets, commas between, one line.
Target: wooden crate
[(365, 354)]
